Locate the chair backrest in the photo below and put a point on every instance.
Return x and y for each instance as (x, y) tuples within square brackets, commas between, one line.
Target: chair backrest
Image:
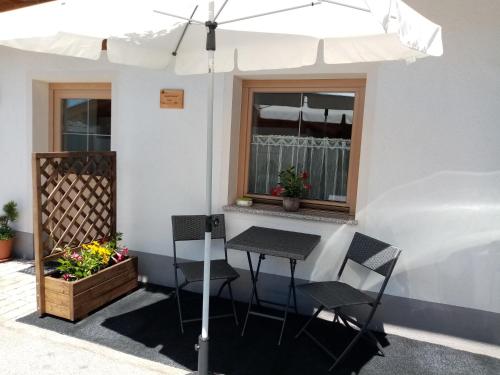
[(192, 227), (373, 254)]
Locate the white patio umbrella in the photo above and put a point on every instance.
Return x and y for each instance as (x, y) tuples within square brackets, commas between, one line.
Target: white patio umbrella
[(257, 34)]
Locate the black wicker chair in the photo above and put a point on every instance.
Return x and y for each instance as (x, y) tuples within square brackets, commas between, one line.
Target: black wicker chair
[(190, 228), (373, 254)]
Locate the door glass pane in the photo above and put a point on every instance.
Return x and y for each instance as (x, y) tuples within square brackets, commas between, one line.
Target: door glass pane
[(100, 142), (74, 142), (310, 131), (100, 116), (86, 124), (74, 116)]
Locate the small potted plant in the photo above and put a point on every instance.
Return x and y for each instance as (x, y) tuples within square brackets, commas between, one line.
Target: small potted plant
[(292, 187), (7, 234)]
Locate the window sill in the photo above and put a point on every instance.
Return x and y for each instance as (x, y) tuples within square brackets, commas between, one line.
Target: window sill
[(302, 214)]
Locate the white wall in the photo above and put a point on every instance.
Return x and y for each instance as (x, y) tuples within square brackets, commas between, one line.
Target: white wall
[(430, 161), (14, 135)]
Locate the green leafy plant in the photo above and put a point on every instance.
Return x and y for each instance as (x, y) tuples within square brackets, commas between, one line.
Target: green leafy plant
[(10, 214), (92, 257), (114, 241), (292, 184), (77, 265)]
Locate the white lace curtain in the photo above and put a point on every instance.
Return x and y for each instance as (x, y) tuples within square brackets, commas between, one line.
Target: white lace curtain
[(325, 159)]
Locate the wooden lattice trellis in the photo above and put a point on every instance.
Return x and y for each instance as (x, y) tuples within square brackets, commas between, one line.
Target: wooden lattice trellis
[(74, 198)]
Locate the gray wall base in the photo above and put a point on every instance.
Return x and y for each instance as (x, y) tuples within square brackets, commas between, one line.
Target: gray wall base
[(477, 325), (23, 246), (450, 320)]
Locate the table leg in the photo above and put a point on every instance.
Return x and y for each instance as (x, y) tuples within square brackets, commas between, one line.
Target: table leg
[(291, 288), (252, 276), (254, 292), (292, 282)]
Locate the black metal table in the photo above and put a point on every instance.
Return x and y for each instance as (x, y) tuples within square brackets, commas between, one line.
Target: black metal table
[(279, 243)]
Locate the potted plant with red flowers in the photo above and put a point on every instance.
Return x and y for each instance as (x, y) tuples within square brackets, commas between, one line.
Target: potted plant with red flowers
[(292, 187), (7, 234)]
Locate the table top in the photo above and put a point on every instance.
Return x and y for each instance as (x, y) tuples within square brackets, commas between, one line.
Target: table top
[(275, 242)]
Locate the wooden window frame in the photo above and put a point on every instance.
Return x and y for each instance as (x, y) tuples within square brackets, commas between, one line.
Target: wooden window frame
[(250, 87), (58, 91)]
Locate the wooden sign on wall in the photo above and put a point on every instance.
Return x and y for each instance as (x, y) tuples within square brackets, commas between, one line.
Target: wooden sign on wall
[(172, 98)]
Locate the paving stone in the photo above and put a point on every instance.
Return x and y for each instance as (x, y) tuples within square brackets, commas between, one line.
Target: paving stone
[(17, 290)]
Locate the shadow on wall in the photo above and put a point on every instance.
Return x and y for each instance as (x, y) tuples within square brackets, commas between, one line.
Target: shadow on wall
[(448, 227)]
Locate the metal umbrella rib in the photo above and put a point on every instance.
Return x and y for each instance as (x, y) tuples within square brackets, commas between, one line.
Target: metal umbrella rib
[(270, 13)]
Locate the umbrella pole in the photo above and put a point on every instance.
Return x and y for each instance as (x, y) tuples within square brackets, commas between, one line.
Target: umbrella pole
[(203, 338)]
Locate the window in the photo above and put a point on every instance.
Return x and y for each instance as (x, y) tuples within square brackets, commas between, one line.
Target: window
[(81, 116), (313, 125)]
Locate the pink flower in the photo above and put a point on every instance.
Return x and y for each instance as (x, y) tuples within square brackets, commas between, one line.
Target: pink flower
[(120, 256), (77, 257), (304, 175), (307, 186), (68, 276)]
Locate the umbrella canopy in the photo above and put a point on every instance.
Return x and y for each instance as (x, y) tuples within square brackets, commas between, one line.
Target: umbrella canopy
[(350, 30)]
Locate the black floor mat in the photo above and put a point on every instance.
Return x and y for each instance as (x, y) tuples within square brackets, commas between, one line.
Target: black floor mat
[(49, 267), (145, 324)]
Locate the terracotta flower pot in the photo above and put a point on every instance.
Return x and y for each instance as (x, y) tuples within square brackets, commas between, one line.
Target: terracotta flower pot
[(6, 249), (291, 204)]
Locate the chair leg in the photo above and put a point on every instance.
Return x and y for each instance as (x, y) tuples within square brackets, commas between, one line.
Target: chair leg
[(369, 334), (178, 296), (232, 302), (177, 293), (315, 315), (346, 350), (363, 330), (222, 288), (346, 323), (360, 334)]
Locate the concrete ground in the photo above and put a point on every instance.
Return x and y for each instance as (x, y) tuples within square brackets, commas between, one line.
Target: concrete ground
[(17, 290), (27, 350), (30, 350)]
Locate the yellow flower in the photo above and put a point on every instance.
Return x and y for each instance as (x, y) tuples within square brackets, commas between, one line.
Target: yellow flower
[(96, 248)]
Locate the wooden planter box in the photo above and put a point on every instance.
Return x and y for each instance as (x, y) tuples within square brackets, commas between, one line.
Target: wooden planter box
[(75, 300)]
